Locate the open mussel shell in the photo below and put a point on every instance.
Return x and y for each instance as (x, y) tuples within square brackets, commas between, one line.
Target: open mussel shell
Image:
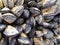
[(8, 17), (5, 10), (34, 11), (1, 4), (10, 31), (39, 34), (23, 39), (8, 3), (47, 3), (19, 2), (2, 27), (18, 10)]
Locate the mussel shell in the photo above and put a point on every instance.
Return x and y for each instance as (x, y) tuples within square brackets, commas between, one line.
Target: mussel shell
[(1, 4), (39, 19), (20, 21), (27, 28), (31, 21), (8, 17), (32, 4), (12, 42), (5, 10), (51, 43), (54, 40), (58, 41), (38, 42), (48, 3), (26, 13), (19, 2), (5, 3), (39, 34), (11, 31), (0, 36), (35, 11), (49, 34), (8, 3), (19, 28), (18, 10), (23, 40), (31, 33), (2, 27), (1, 18), (4, 41)]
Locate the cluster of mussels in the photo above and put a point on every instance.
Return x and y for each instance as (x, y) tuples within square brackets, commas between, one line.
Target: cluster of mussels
[(29, 22)]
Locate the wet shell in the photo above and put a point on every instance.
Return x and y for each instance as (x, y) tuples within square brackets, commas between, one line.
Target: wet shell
[(8, 3), (26, 13), (23, 39), (27, 28), (48, 3), (20, 21), (31, 21), (12, 41), (49, 34), (19, 2), (35, 11), (5, 10), (19, 28), (5, 3), (1, 4), (39, 34), (18, 10), (10, 31), (39, 19), (2, 27), (8, 17)]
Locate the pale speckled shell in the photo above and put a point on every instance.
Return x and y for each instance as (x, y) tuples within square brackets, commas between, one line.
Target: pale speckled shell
[(10, 31)]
